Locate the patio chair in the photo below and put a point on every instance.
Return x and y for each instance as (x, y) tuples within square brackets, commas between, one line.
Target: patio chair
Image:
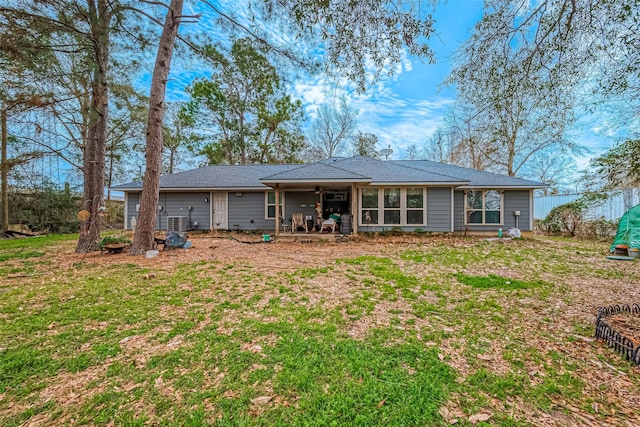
[(297, 221), (329, 225), (284, 225)]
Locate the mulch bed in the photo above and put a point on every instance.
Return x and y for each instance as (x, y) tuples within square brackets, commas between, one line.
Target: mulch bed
[(628, 324)]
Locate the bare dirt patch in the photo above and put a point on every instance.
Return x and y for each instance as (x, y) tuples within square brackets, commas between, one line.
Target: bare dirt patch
[(265, 256)]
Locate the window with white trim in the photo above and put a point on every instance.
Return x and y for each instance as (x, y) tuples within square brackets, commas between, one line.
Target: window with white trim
[(270, 204), (369, 203), (415, 206), (393, 206), (484, 207)]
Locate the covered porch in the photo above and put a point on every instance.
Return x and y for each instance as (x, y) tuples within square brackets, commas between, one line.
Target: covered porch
[(331, 190), (316, 212)]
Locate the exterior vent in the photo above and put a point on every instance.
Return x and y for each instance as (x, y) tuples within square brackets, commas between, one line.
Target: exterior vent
[(177, 223)]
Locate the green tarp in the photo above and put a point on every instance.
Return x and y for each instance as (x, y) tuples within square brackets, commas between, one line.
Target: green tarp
[(628, 229)]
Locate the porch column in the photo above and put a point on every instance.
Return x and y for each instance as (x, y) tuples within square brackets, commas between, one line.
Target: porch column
[(354, 209), (277, 192)]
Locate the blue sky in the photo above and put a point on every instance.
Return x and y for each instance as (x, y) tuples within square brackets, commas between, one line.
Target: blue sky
[(402, 109), (413, 103)]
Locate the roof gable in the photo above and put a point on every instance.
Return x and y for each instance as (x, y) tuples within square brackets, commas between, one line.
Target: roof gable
[(317, 172)]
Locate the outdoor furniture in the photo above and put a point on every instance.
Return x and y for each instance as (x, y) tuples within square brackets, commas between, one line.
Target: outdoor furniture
[(284, 226), (309, 220), (173, 239), (329, 225), (298, 221), (159, 241), (115, 248)]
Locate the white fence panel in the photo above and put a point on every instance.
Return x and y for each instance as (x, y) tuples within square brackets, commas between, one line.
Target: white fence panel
[(612, 209)]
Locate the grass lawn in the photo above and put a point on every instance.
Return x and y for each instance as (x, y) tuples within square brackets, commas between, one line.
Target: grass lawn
[(393, 331)]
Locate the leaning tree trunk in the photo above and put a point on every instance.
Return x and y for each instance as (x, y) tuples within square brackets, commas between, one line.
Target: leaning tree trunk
[(96, 140), (143, 239)]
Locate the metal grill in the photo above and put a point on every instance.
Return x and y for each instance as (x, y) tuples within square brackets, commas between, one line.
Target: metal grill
[(615, 339)]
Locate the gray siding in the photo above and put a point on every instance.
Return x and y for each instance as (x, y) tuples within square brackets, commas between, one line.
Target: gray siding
[(405, 228), (175, 204), (514, 200), (439, 209), (242, 210), (517, 200), (132, 200), (245, 212), (248, 212), (458, 210), (300, 202)]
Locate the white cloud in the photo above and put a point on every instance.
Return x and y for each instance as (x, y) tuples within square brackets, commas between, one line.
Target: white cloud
[(397, 122), (408, 66), (400, 123)]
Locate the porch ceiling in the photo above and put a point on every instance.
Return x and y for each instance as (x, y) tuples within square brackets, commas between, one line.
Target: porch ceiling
[(311, 186)]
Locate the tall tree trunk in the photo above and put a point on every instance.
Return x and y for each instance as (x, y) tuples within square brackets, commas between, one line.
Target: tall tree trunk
[(4, 166), (511, 154), (95, 143), (143, 239), (110, 177)]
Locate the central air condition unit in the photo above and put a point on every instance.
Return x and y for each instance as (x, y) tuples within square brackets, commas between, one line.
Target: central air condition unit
[(177, 223)]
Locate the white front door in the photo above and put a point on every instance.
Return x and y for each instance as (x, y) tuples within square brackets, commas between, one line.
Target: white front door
[(219, 211)]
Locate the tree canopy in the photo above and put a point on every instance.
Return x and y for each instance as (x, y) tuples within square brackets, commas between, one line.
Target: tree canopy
[(366, 144), (519, 104), (618, 168), (532, 70), (243, 109), (333, 127), (359, 40)]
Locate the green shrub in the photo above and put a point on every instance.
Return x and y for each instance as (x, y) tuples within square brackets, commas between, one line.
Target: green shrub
[(112, 240), (570, 216)]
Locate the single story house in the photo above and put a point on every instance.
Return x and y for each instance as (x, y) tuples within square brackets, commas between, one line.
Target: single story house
[(375, 195)]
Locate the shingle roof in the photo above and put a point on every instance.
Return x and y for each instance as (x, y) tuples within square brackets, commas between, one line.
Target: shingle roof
[(317, 172), (341, 169), (475, 177), (382, 171), (215, 177)]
